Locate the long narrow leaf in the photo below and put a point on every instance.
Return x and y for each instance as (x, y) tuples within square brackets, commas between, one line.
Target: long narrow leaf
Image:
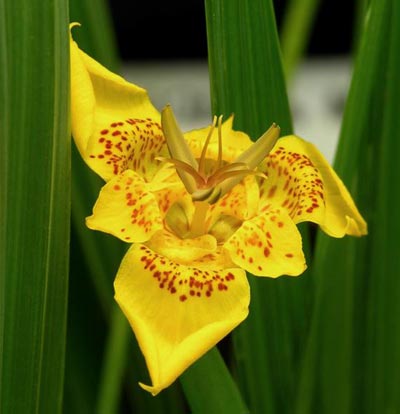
[(296, 29), (383, 352), (209, 388), (247, 80), (35, 204), (336, 376)]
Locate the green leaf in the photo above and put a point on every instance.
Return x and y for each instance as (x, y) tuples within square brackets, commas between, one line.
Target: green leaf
[(349, 365), (247, 80), (245, 67), (296, 30), (209, 388), (114, 366), (382, 356), (35, 204)]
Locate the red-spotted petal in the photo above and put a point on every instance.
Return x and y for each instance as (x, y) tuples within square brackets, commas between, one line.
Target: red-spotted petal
[(127, 209), (126, 144), (178, 311), (167, 188), (240, 202), (301, 181), (114, 124), (268, 245)]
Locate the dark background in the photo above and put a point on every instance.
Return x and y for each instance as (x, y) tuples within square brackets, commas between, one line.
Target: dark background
[(175, 29)]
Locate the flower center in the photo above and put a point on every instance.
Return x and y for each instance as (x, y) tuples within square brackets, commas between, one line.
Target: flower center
[(210, 184), (188, 222)]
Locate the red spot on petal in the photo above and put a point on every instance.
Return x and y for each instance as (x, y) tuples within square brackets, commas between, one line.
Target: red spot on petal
[(271, 191), (267, 252), (221, 286), (182, 298)]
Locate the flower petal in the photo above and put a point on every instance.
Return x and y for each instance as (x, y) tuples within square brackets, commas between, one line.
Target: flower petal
[(240, 202), (184, 251), (268, 245), (127, 209), (301, 181), (178, 311), (167, 188), (114, 124)]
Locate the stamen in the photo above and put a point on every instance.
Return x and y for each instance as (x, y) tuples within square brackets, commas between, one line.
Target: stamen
[(198, 226), (236, 173), (182, 166), (219, 160), (210, 186), (235, 166), (211, 195), (202, 161)]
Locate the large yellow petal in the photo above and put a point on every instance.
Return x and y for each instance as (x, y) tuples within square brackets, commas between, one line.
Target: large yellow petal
[(114, 124), (127, 209), (178, 311), (268, 245), (301, 181)]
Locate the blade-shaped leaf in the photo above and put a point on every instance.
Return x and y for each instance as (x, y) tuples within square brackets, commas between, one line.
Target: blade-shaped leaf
[(35, 204), (352, 349), (247, 80)]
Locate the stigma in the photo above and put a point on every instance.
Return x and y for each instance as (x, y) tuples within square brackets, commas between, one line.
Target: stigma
[(209, 181)]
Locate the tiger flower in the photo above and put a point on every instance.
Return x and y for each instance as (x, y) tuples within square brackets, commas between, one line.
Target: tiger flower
[(200, 210)]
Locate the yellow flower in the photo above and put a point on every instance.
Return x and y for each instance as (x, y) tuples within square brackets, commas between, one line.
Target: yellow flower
[(198, 213)]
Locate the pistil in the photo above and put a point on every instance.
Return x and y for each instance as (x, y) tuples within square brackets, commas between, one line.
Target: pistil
[(198, 226), (210, 186)]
